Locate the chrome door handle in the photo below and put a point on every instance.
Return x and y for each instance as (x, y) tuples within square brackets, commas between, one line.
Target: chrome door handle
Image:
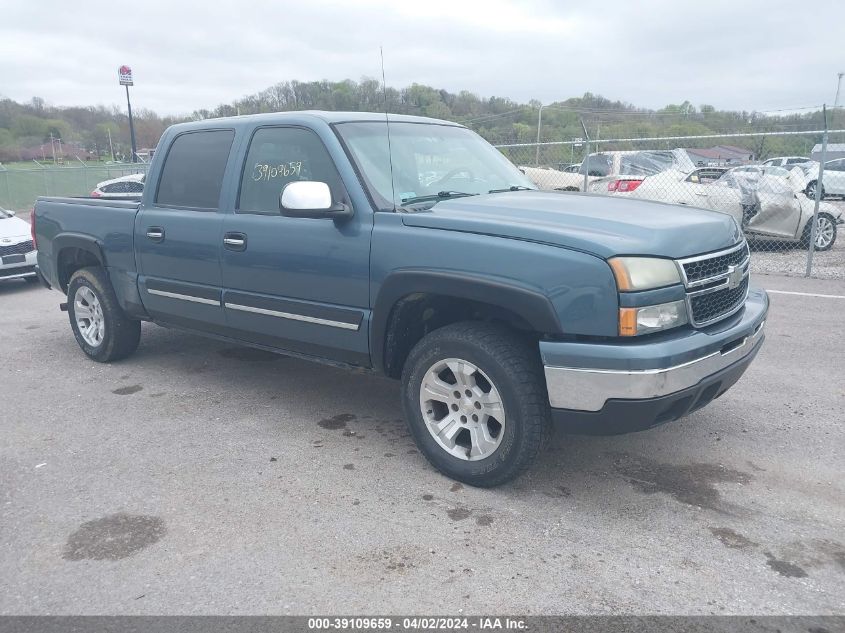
[(155, 233), (234, 241)]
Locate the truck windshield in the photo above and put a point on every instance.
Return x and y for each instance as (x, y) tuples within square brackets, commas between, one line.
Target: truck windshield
[(429, 161)]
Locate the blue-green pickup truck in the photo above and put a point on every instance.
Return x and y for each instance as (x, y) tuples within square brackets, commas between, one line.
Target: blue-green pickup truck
[(415, 249)]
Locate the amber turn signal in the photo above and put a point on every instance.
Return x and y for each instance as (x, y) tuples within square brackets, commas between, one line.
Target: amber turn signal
[(627, 321)]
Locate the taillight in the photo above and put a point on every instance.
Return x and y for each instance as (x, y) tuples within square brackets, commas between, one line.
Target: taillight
[(629, 185), (32, 226), (96, 194), (612, 185)]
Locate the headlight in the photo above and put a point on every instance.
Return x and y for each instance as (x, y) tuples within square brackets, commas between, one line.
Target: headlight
[(643, 273), (635, 321)]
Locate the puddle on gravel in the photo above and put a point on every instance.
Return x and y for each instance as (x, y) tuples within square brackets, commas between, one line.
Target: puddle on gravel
[(113, 537), (692, 484), (731, 539), (125, 391), (785, 568), (336, 422), (458, 514)]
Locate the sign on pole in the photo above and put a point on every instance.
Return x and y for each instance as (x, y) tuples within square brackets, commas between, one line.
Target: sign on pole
[(124, 73)]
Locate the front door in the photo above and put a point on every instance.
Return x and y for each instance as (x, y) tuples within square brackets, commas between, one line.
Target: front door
[(178, 233), (300, 284)]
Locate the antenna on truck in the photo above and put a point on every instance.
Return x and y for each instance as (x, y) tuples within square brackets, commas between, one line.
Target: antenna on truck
[(387, 124)]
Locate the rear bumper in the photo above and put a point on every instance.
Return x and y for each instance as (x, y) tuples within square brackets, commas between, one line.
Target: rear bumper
[(619, 387)]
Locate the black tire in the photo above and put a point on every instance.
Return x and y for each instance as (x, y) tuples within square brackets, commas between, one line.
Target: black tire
[(120, 333), (810, 193), (513, 366), (806, 236)]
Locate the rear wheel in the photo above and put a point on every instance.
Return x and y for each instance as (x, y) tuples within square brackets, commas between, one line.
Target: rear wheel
[(100, 326), (475, 401)]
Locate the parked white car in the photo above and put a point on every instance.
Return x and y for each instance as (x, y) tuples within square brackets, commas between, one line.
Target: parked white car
[(833, 180), (17, 252), (767, 202), (131, 186)]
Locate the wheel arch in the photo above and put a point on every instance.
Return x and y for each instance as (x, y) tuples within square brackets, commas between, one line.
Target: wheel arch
[(74, 251), (411, 303)]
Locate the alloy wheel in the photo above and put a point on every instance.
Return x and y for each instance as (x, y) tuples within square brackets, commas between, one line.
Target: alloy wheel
[(462, 409)]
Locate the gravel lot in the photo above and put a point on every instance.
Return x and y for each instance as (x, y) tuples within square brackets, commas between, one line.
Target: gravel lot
[(201, 478)]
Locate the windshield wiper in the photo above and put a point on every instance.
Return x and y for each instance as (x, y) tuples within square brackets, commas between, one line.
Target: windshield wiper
[(511, 188), (440, 195)]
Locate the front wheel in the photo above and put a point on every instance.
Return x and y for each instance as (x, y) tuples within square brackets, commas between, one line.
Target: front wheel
[(475, 402), (825, 233), (99, 324)]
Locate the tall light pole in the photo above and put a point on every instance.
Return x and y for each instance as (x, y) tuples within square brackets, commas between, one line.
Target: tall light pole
[(539, 127), (838, 86), (124, 74)]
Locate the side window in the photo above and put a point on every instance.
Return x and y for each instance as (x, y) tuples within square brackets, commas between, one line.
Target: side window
[(193, 169), (836, 165), (134, 187), (112, 188), (278, 156)]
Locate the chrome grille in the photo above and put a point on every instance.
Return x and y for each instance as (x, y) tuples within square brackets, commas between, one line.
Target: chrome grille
[(699, 269), (20, 248), (716, 283), (711, 306)]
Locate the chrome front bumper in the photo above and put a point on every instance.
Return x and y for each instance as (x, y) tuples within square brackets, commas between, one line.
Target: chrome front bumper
[(582, 376), (590, 389)]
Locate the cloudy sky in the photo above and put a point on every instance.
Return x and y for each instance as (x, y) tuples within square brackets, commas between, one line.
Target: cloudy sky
[(740, 54)]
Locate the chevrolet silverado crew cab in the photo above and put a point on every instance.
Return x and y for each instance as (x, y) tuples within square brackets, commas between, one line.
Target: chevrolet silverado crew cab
[(416, 250)]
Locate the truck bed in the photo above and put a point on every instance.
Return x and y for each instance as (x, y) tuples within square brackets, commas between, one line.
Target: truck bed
[(107, 226)]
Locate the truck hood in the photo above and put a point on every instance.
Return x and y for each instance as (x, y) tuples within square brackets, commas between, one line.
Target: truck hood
[(602, 225)]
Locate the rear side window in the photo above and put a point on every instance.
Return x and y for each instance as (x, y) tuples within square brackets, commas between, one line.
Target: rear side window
[(596, 165), (193, 170), (278, 156), (646, 163)]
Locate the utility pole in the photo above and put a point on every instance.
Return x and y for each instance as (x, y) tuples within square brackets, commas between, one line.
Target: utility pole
[(124, 74), (818, 197), (53, 147), (111, 147), (838, 87), (539, 126)]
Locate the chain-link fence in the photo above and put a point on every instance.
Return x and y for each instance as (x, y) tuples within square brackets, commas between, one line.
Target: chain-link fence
[(20, 187), (773, 198)]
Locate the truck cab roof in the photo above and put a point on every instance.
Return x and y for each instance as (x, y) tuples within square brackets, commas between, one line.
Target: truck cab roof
[(270, 118)]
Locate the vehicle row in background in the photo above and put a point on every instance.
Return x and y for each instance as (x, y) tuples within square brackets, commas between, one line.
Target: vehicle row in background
[(769, 203)]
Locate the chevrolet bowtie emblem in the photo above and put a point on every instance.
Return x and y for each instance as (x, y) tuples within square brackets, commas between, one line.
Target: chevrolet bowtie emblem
[(734, 277)]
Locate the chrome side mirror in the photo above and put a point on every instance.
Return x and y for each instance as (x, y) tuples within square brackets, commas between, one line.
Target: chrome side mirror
[(310, 199)]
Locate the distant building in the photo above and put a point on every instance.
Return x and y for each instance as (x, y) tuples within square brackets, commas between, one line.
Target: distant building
[(720, 155), (834, 150)]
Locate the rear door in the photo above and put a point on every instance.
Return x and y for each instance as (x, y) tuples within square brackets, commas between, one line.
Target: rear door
[(300, 284), (178, 232)]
